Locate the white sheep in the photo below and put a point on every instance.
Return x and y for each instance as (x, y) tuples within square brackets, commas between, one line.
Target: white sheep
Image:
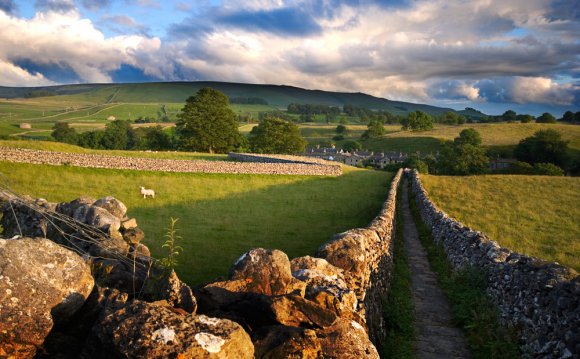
[(147, 192)]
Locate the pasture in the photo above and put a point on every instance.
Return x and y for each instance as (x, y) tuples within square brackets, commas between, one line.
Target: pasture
[(220, 216), (535, 215)]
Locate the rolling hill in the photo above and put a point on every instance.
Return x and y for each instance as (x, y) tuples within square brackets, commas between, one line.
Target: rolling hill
[(177, 92)]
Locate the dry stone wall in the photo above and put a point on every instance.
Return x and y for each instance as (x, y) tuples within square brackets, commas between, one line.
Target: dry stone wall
[(253, 164), (540, 298)]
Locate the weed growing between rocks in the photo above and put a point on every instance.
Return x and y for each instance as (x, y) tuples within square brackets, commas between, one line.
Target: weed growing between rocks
[(171, 238), (473, 310), (399, 308)]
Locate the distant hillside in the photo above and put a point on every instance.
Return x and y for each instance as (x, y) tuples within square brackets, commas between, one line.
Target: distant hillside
[(177, 92)]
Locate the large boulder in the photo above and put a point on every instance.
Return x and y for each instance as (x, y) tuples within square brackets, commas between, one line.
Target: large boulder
[(346, 339), (113, 206), (167, 286), (40, 283), (69, 208), (266, 270), (146, 330), (351, 251)]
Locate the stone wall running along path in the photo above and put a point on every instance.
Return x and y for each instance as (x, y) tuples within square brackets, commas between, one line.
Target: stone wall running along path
[(540, 298)]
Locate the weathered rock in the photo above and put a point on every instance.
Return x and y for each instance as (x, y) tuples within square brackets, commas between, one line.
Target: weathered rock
[(69, 208), (128, 224), (101, 218), (144, 330), (349, 251), (286, 342), (346, 339), (167, 286), (142, 249), (40, 282), (292, 310), (133, 235), (113, 206), (268, 270), (307, 267)]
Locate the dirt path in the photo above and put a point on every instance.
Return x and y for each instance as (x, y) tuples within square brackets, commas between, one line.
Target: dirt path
[(436, 335)]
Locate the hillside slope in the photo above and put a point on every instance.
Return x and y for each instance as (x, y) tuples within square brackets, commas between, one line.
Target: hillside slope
[(177, 92)]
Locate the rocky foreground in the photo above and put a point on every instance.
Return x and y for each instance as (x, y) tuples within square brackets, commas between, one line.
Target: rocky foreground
[(76, 281)]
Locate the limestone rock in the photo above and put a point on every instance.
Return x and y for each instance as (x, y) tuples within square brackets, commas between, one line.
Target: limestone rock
[(167, 286), (292, 310), (268, 270), (346, 339), (308, 267), (101, 218), (145, 330), (286, 342), (128, 224), (133, 235), (113, 206), (349, 251), (39, 282), (69, 208)]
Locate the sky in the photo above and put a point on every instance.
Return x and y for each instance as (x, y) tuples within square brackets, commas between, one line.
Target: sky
[(492, 55)]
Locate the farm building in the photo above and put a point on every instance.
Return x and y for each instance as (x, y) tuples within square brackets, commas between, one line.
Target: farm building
[(25, 126)]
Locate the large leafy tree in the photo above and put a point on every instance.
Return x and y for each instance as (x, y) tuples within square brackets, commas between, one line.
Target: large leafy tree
[(463, 156), (62, 132), (545, 146), (375, 128), (418, 121), (274, 135), (546, 118), (207, 124)]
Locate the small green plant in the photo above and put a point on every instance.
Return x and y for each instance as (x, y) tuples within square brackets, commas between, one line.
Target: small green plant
[(171, 238)]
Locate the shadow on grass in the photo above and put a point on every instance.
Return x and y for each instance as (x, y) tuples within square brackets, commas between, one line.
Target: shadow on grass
[(295, 218)]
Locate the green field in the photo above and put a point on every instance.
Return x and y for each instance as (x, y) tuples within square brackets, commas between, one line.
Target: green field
[(220, 216), (535, 215)]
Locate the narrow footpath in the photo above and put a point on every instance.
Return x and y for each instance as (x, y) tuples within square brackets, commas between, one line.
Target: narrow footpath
[(436, 337)]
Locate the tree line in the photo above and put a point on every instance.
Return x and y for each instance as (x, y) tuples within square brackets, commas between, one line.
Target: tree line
[(206, 124)]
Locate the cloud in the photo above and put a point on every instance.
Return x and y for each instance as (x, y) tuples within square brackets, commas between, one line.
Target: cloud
[(282, 22), (16, 76), (63, 41), (455, 90), (122, 24), (61, 6), (8, 6), (96, 4)]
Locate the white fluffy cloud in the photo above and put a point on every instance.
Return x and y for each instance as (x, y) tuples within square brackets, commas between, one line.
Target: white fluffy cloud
[(65, 40)]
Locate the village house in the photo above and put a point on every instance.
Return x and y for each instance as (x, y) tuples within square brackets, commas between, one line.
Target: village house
[(496, 164)]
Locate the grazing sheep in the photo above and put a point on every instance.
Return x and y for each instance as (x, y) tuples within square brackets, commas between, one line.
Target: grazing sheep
[(147, 192)]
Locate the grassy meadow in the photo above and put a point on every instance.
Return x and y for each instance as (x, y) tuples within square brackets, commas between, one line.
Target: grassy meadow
[(220, 216), (535, 215)]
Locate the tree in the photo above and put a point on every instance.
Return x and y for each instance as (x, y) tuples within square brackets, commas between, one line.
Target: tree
[(415, 162), (62, 132), (468, 136), (117, 135), (341, 129), (546, 118), (351, 145), (206, 123), (417, 121), (375, 128), (547, 169), (509, 116), (568, 116), (523, 118), (545, 146), (274, 135), (463, 156)]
